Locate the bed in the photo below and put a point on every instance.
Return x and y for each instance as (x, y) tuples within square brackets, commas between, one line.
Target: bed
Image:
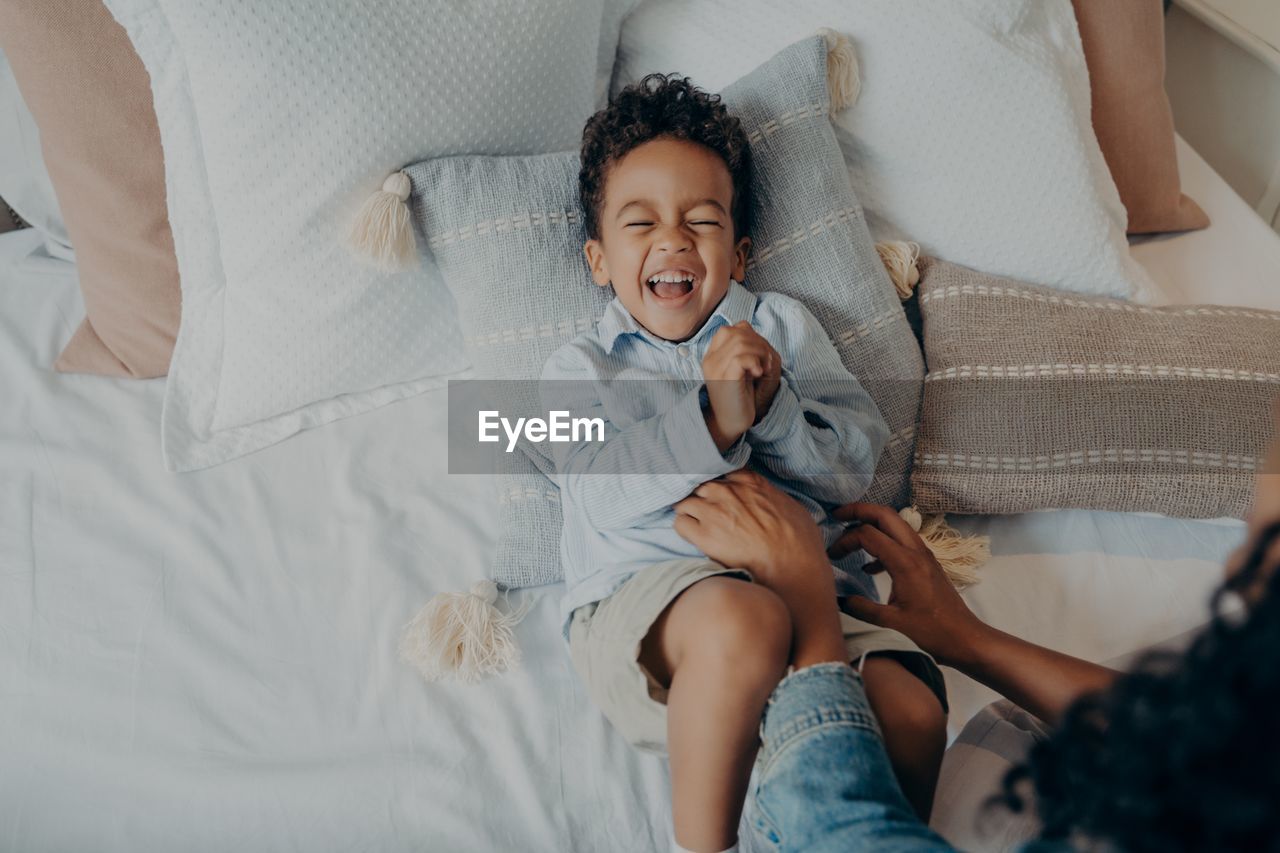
[(207, 661)]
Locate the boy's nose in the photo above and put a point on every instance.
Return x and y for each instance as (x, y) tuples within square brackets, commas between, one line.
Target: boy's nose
[(675, 241)]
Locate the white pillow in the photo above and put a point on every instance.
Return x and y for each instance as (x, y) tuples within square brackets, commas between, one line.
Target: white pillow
[(278, 119), (610, 30), (24, 180), (972, 134)]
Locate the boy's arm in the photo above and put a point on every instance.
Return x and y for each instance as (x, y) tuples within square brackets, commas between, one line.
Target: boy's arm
[(822, 432), (637, 471)]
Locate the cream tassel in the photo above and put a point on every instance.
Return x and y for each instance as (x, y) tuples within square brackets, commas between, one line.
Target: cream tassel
[(383, 230), (960, 556), (901, 260), (843, 82), (462, 634)]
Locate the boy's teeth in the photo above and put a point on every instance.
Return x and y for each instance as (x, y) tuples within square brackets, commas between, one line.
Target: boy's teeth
[(672, 277)]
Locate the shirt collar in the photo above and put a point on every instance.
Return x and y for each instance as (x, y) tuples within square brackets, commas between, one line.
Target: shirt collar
[(737, 305)]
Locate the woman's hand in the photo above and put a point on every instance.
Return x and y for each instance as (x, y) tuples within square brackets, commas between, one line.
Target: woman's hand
[(926, 607), (923, 604), (743, 521)]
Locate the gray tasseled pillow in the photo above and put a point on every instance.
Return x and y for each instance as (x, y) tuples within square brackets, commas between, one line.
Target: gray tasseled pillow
[(506, 234)]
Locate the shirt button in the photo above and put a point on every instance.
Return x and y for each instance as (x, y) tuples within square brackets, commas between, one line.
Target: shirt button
[(682, 351)]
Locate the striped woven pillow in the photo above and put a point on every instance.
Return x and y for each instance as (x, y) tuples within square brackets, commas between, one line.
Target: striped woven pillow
[(1036, 398)]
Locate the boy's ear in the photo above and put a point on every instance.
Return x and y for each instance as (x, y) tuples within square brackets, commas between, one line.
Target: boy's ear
[(596, 261), (740, 254)]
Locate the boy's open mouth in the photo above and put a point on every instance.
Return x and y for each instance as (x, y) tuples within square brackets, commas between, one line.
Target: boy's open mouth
[(671, 284)]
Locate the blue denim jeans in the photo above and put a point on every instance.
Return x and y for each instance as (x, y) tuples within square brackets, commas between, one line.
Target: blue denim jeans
[(824, 782)]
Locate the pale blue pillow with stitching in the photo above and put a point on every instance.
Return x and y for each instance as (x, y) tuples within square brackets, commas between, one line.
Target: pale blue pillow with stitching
[(506, 234)]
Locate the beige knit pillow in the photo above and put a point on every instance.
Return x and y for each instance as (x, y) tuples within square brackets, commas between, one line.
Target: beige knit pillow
[(1036, 398)]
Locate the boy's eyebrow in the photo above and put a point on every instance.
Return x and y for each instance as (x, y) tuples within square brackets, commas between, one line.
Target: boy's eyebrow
[(643, 202)]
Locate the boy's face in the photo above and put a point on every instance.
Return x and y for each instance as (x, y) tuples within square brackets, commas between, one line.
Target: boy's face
[(667, 215)]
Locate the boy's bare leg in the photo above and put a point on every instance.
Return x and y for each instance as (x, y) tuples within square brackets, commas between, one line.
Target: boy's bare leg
[(721, 647), (914, 727)]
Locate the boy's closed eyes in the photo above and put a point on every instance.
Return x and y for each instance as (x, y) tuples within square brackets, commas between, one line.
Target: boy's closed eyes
[(667, 240)]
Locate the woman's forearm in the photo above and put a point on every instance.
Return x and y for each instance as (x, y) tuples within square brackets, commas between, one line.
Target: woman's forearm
[(1042, 681)]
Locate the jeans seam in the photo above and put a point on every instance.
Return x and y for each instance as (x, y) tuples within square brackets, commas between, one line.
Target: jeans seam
[(766, 826), (821, 716), (856, 719)]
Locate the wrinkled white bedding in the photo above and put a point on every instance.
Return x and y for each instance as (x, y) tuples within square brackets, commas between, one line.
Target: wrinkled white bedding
[(207, 661)]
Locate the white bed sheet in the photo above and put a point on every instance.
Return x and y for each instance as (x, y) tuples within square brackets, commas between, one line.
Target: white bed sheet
[(207, 661), (1235, 261)]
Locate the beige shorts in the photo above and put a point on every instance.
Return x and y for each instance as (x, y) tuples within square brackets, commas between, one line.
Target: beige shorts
[(605, 638)]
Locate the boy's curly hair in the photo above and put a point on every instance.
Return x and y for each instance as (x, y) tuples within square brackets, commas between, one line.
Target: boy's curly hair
[(662, 105)]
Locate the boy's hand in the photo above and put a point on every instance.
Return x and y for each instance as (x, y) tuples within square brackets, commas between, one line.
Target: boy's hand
[(742, 372), (766, 387)]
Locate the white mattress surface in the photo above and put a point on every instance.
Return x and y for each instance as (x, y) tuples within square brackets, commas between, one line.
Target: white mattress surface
[(207, 661), (1235, 261)]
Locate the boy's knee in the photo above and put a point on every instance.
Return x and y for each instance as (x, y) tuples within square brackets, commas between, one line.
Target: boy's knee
[(924, 719), (744, 627), (911, 708)]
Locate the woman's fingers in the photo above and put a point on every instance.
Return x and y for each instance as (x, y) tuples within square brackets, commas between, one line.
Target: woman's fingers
[(872, 540), (884, 518), (688, 527), (865, 609), (693, 506), (711, 491), (743, 475), (845, 545)]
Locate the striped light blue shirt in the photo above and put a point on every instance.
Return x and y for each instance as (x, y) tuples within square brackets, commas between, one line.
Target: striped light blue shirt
[(819, 441)]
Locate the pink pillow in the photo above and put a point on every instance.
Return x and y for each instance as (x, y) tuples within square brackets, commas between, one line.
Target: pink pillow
[(1124, 48), (91, 98)]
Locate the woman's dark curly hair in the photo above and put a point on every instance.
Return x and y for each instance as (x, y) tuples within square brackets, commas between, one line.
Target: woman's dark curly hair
[(662, 105), (1182, 753)]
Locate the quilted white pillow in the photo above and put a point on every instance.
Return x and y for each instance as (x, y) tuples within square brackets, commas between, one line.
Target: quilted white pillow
[(277, 120), (971, 136)]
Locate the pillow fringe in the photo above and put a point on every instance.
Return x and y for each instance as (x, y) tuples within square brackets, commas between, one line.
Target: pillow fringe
[(960, 556)]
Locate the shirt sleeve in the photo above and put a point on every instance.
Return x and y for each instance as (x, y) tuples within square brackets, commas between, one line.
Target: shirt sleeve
[(825, 782), (636, 471), (823, 433)]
